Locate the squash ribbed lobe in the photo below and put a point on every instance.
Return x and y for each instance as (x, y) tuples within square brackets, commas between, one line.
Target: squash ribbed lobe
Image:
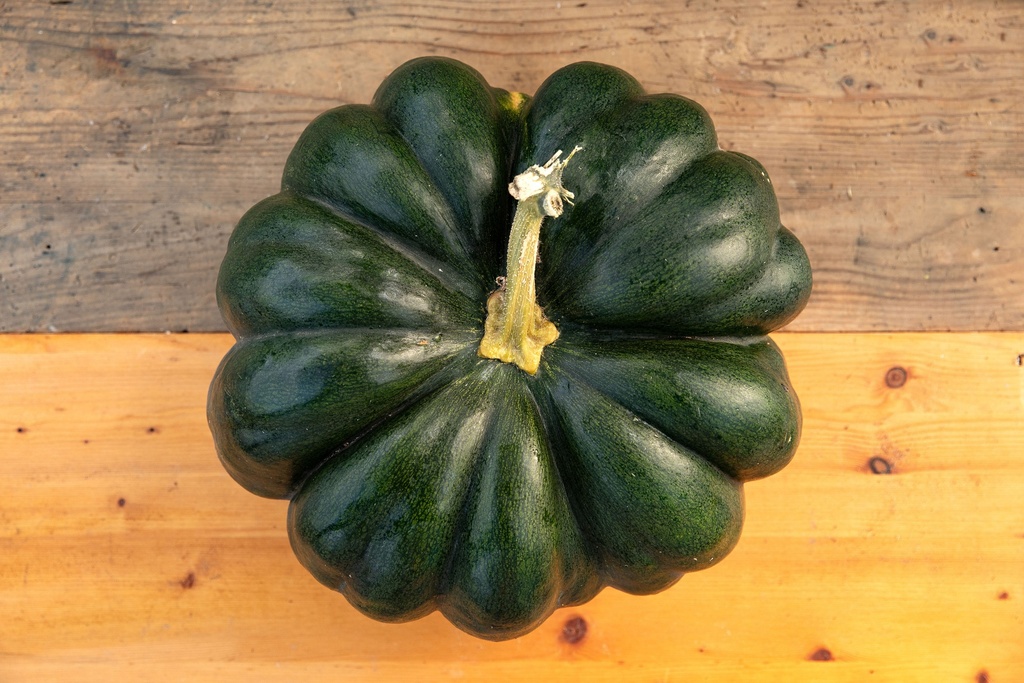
[(423, 477)]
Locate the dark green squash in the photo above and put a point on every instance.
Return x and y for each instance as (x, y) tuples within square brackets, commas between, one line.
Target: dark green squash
[(423, 476)]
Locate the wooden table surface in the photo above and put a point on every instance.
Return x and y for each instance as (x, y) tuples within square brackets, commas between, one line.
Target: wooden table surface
[(134, 134), (891, 549)]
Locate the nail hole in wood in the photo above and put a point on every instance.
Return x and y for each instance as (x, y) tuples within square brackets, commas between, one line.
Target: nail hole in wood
[(895, 377), (822, 654), (574, 630), (879, 465)]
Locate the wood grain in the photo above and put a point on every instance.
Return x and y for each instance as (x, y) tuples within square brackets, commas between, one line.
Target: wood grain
[(134, 133), (126, 552)]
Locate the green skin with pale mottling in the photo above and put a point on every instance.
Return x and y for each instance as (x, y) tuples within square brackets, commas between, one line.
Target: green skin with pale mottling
[(424, 477)]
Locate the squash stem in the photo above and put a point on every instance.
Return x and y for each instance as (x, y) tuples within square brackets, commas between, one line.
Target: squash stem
[(516, 330)]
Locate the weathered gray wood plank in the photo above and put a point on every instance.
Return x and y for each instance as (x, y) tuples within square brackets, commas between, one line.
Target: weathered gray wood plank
[(133, 134)]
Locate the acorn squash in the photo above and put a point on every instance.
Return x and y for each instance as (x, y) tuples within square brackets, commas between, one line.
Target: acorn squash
[(494, 406)]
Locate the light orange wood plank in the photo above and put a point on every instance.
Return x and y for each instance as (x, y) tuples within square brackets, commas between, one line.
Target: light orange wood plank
[(126, 552)]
